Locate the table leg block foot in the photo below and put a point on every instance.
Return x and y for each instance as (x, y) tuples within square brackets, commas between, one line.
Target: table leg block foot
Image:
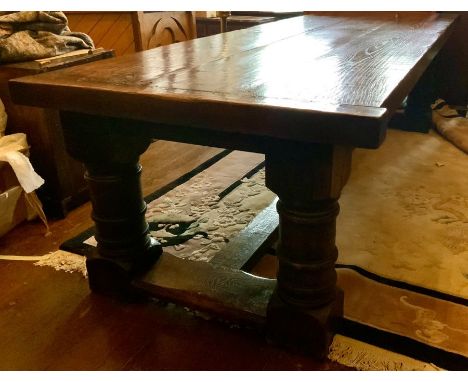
[(114, 277), (305, 331)]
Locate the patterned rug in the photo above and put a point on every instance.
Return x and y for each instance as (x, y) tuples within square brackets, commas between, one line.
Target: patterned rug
[(402, 237)]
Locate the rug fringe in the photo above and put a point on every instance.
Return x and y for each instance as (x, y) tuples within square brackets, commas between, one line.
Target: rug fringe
[(59, 260), (365, 357), (64, 261), (22, 258)]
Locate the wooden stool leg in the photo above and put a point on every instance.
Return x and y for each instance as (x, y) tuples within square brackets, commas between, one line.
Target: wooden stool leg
[(306, 304), (125, 248)]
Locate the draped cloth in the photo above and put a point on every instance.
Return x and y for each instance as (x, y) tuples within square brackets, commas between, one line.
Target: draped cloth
[(32, 35), (450, 124), (13, 148)]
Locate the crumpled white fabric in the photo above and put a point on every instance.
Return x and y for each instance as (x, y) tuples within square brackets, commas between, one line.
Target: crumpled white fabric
[(10, 151)]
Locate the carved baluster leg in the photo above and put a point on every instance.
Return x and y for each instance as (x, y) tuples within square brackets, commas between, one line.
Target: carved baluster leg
[(306, 304), (110, 153)]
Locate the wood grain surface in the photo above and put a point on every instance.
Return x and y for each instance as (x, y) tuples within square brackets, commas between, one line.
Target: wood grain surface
[(231, 293), (309, 78), (110, 30), (154, 28)]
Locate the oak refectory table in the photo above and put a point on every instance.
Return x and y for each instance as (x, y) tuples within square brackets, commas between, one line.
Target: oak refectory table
[(305, 91)]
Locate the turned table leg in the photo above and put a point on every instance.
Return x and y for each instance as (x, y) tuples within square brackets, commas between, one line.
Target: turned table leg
[(110, 154), (417, 112), (306, 303)]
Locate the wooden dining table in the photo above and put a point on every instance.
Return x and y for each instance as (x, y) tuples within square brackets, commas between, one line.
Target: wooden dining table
[(304, 91)]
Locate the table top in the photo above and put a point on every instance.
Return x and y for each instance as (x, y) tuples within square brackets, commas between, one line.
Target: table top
[(309, 78)]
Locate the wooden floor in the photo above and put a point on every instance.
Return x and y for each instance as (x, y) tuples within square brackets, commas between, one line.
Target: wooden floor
[(50, 321)]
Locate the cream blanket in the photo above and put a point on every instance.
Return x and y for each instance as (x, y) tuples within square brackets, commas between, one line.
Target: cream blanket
[(32, 35)]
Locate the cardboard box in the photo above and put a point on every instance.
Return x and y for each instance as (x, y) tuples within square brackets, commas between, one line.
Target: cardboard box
[(14, 208)]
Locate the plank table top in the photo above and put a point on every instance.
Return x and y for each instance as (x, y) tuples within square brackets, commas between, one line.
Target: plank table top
[(309, 78)]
